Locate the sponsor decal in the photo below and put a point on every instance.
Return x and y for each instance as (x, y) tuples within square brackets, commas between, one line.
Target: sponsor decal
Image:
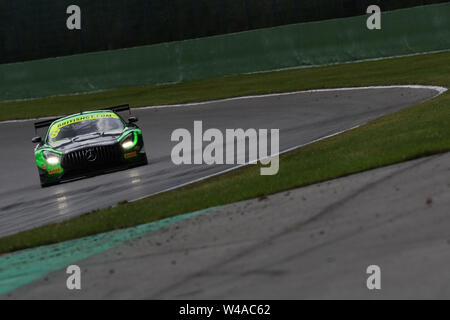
[(130, 155), (54, 171)]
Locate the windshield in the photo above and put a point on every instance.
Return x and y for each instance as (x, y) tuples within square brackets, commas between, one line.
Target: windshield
[(83, 125)]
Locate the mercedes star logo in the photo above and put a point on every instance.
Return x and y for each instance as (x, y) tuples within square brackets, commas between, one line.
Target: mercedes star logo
[(90, 155)]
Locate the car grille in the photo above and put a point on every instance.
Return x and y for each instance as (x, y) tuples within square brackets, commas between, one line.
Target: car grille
[(92, 157)]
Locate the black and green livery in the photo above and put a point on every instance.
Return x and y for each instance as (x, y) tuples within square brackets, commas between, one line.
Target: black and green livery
[(86, 144)]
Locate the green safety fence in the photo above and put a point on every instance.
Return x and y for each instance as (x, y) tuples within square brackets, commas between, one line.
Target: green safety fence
[(406, 31)]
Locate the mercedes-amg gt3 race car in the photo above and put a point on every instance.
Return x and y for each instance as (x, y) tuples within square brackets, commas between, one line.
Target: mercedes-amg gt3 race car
[(87, 144)]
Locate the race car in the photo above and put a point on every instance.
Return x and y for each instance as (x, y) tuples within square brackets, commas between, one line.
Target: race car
[(88, 144)]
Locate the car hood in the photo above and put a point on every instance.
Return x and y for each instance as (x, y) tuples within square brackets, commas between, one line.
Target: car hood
[(96, 141)]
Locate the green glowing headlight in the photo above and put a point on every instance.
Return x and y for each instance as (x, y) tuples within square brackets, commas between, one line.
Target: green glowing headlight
[(51, 158)]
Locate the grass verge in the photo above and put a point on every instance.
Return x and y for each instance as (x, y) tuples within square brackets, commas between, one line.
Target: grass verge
[(411, 133), (430, 69)]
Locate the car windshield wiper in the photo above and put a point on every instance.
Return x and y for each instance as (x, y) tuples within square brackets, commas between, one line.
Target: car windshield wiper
[(86, 136), (106, 134)]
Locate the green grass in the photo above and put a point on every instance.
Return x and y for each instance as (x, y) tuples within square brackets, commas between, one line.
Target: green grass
[(425, 69), (414, 132)]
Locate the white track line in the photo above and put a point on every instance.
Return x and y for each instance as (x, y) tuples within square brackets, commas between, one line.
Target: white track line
[(440, 90), (246, 164)]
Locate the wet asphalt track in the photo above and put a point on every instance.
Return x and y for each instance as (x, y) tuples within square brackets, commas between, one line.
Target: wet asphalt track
[(301, 118), (314, 242)]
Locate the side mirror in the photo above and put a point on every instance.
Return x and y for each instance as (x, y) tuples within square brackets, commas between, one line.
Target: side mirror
[(133, 119), (37, 140)]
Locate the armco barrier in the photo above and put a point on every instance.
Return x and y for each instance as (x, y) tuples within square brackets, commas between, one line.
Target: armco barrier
[(407, 31)]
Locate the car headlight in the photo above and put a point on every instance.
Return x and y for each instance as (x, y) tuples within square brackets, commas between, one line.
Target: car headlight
[(129, 141), (51, 157)]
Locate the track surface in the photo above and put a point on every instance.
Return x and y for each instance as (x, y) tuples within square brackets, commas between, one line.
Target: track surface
[(314, 242), (301, 118)]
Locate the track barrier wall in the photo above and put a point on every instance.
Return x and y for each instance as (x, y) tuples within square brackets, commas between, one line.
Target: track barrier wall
[(406, 31), (35, 29)]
